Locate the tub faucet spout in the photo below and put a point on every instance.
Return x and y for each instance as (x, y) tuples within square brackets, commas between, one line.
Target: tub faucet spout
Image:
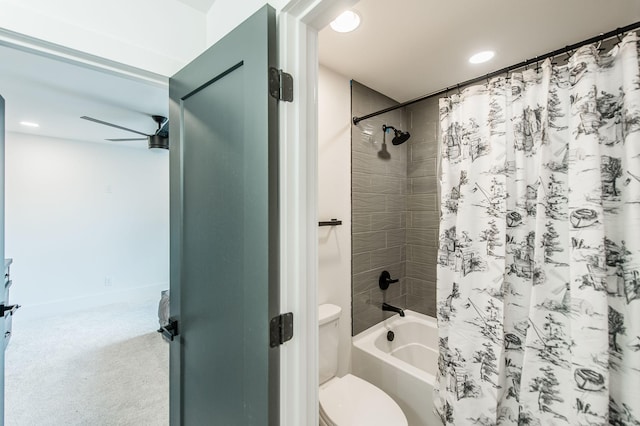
[(387, 307)]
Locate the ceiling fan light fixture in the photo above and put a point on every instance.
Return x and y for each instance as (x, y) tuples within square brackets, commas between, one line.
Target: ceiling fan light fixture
[(157, 142)]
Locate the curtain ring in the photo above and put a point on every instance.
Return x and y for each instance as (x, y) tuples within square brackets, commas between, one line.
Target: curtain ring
[(487, 78), (568, 53), (618, 36), (458, 86), (537, 65), (599, 44)]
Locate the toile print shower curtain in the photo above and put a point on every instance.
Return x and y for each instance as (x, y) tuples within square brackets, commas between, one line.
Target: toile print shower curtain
[(539, 248)]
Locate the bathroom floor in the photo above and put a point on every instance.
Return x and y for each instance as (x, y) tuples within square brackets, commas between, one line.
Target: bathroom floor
[(107, 366)]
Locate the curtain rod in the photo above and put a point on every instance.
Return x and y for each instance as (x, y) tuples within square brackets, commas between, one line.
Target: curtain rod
[(564, 50)]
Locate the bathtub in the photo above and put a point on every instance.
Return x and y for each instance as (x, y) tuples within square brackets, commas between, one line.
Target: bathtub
[(404, 368)]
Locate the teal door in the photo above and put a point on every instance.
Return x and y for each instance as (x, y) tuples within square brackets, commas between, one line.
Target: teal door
[(224, 228)]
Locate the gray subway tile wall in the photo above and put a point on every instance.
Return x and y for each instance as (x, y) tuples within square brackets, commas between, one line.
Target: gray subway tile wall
[(394, 208), (367, 281), (423, 206), (368, 241), (417, 202), (425, 237), (388, 220), (378, 196)]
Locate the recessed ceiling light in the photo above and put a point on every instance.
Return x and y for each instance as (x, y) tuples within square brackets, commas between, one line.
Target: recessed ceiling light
[(346, 22), (29, 124), (481, 57)]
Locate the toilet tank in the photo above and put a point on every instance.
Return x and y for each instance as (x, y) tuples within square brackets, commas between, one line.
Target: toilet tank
[(328, 316)]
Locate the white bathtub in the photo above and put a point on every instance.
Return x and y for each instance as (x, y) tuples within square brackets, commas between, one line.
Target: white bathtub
[(404, 368)]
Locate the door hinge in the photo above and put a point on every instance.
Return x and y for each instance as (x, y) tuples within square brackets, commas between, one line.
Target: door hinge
[(170, 330), (6, 310), (280, 85), (281, 329)]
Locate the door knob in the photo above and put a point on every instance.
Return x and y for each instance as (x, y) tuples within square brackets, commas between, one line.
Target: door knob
[(170, 330)]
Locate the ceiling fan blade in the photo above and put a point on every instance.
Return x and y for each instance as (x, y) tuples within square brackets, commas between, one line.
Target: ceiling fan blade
[(125, 140), (95, 120)]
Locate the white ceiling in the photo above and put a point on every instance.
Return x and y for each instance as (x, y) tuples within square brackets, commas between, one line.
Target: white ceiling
[(200, 5), (408, 48), (55, 94)]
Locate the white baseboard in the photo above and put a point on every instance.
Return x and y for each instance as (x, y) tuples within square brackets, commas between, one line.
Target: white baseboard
[(148, 293)]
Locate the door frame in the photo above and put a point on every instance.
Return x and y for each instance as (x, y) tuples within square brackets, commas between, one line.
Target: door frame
[(47, 49), (298, 25)]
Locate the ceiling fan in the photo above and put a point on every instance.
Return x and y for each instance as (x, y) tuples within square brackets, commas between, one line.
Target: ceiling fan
[(160, 139)]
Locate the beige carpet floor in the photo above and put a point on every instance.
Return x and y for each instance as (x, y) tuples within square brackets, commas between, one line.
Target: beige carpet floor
[(106, 366)]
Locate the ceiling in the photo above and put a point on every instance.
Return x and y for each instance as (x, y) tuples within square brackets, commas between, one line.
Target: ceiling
[(55, 94), (201, 5), (418, 47), (405, 51)]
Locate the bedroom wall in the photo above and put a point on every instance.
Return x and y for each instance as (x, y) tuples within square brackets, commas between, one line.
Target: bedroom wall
[(87, 224)]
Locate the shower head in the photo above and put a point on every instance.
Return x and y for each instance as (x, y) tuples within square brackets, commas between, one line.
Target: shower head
[(400, 136)]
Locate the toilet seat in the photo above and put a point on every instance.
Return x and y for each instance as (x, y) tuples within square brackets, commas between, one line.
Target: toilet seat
[(351, 401)]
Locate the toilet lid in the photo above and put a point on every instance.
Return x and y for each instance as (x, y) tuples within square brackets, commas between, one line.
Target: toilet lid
[(351, 401)]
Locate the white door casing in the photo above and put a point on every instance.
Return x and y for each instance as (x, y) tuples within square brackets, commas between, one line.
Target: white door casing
[(298, 26)]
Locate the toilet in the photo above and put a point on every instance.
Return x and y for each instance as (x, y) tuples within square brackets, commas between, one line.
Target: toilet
[(348, 400)]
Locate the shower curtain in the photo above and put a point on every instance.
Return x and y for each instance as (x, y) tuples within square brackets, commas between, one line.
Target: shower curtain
[(539, 249)]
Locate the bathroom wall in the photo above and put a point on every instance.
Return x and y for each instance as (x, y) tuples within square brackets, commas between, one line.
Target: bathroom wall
[(423, 208), (395, 208), (379, 203), (334, 202)]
